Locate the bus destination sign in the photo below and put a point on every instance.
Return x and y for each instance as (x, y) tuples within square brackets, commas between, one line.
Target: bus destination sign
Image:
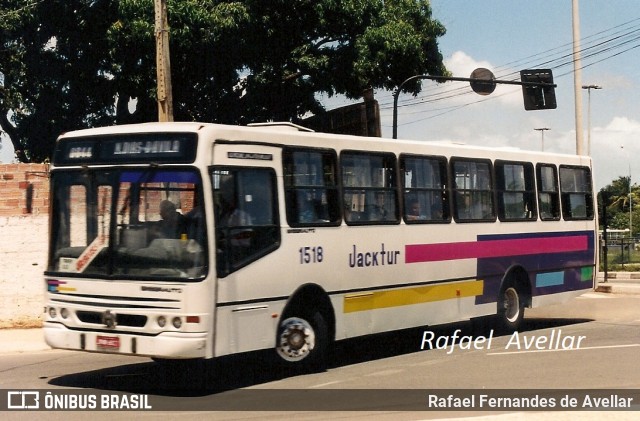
[(149, 147), (127, 149)]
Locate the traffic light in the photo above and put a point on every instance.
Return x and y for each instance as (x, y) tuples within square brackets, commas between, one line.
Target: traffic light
[(538, 89)]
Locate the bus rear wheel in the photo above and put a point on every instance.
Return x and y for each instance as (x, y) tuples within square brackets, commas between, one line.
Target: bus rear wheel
[(302, 342), (510, 308)]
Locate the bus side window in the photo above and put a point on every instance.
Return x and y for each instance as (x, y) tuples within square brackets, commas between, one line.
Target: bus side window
[(311, 190), (424, 182), (473, 188), (515, 188), (575, 188), (369, 187), (548, 193)]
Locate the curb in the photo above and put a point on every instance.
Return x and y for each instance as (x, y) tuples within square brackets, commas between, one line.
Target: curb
[(22, 340), (618, 283)]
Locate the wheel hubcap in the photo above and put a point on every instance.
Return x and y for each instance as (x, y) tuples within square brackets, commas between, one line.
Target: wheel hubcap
[(511, 304), (296, 339)]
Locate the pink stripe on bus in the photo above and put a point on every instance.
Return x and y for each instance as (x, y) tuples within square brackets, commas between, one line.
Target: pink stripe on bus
[(416, 253)]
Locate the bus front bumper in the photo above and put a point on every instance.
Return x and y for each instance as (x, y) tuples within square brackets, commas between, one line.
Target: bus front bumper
[(165, 345)]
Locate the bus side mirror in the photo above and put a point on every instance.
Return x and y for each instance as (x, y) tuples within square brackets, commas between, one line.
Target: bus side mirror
[(538, 97)]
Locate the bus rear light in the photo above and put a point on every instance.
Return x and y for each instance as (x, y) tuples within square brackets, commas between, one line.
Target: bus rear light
[(177, 322), (193, 319), (161, 321)]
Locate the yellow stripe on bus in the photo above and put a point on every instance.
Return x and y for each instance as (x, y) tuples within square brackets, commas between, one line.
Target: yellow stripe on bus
[(408, 296)]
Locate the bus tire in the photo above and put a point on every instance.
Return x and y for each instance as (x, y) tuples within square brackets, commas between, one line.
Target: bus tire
[(302, 342), (510, 308)]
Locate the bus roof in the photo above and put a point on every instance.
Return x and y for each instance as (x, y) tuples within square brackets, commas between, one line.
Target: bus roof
[(289, 133)]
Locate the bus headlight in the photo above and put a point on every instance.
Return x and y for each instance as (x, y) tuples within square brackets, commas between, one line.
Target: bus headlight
[(161, 321), (177, 322), (52, 312), (64, 313)]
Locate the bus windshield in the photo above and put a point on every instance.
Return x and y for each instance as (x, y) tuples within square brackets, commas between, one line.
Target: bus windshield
[(124, 222)]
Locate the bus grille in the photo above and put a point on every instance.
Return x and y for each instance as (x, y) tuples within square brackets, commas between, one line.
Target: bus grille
[(94, 317)]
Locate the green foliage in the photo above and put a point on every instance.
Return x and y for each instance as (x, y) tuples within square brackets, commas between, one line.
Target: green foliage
[(70, 64), (618, 203)]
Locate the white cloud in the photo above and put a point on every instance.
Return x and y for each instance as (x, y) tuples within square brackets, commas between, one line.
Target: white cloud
[(462, 65), (6, 150), (614, 148)]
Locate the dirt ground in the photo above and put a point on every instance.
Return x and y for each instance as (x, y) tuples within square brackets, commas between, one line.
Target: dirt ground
[(23, 253)]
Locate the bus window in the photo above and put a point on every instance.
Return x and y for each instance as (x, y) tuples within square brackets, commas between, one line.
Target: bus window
[(311, 189), (473, 194), (81, 211), (548, 196), (516, 191), (246, 211), (575, 187), (110, 223), (369, 188), (424, 181)]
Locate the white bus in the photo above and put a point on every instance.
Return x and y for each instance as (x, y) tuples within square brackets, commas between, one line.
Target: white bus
[(273, 236)]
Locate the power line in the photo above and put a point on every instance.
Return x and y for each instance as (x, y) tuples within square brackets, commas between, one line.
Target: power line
[(603, 42)]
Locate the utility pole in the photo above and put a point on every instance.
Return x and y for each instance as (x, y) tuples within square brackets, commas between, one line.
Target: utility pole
[(163, 65), (577, 76)]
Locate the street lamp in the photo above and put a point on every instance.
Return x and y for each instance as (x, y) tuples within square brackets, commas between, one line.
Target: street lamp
[(542, 130), (589, 88)]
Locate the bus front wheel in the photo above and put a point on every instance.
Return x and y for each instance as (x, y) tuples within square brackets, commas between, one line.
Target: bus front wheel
[(302, 342)]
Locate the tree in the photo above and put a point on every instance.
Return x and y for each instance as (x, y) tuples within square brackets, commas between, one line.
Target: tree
[(621, 198), (70, 64), (53, 71)]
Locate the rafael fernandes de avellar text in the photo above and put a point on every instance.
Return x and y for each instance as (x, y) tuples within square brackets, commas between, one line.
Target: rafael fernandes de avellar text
[(553, 340)]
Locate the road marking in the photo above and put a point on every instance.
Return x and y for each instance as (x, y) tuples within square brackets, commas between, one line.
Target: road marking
[(388, 372), (556, 350), (596, 295), (315, 386)]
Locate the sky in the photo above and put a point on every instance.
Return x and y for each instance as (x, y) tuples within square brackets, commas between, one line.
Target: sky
[(506, 36)]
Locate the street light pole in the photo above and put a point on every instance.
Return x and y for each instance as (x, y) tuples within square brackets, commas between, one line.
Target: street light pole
[(589, 88), (630, 204), (483, 83), (577, 74), (542, 130)]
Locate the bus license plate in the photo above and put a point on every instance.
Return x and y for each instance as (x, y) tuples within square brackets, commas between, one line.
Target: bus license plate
[(108, 342)]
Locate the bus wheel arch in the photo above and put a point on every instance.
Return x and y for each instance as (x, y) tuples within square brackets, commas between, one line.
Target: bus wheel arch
[(306, 329), (514, 295)]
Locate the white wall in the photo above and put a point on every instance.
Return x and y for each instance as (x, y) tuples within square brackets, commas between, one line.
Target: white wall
[(23, 253)]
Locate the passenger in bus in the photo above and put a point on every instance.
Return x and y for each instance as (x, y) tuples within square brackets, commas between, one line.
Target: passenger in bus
[(172, 224), (234, 219), (414, 212), (232, 216), (195, 224)]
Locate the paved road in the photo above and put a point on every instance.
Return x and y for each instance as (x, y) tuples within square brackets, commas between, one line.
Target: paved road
[(607, 358)]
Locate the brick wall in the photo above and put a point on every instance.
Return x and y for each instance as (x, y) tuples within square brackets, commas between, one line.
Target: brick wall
[(23, 248), (24, 189)]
